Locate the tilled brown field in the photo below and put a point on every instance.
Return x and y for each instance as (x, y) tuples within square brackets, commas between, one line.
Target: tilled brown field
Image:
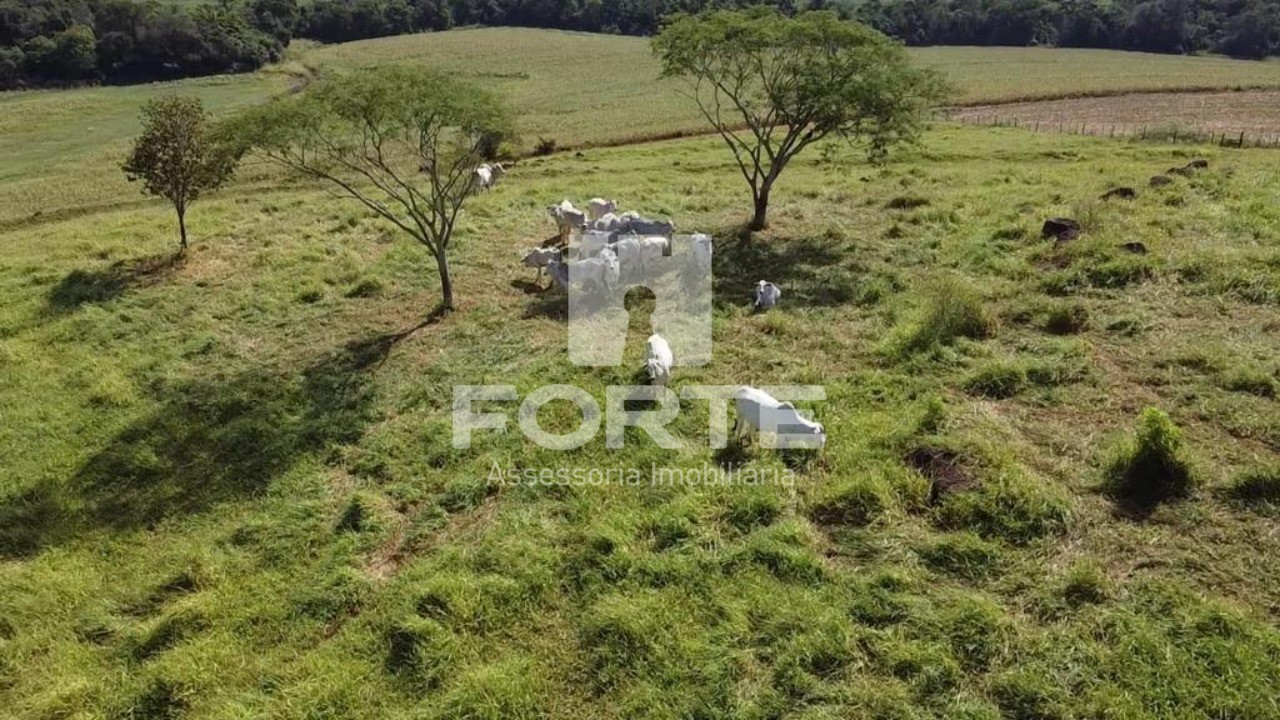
[(1256, 113)]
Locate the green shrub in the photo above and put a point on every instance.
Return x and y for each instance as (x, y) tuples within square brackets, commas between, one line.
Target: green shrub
[(1066, 318), (997, 380), (962, 554), (952, 310), (1152, 467)]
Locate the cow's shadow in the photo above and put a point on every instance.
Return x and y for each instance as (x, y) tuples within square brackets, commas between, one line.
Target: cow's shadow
[(208, 440)]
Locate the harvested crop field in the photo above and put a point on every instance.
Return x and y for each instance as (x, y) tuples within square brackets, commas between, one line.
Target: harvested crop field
[(1256, 113)]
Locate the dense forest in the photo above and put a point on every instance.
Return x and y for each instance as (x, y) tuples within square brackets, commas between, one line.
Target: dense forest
[(67, 42)]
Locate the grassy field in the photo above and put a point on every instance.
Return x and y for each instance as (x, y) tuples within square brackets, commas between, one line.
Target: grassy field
[(59, 150), (1256, 114), (228, 490)]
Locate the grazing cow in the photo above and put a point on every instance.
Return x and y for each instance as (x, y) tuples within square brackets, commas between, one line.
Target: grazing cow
[(483, 179), (607, 223), (767, 295), (646, 226), (540, 258), (592, 242), (568, 219), (638, 254), (601, 271), (658, 359), (761, 411), (599, 207), (558, 271)]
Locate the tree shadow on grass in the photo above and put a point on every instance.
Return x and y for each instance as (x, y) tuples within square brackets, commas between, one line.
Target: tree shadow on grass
[(210, 440), (551, 303), (82, 287), (813, 271)]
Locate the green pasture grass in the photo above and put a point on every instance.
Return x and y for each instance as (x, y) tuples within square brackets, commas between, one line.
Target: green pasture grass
[(60, 150), (228, 487)]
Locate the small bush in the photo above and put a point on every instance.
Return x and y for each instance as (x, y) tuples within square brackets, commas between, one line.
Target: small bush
[(961, 554), (953, 310), (1066, 319), (997, 380), (545, 146), (1151, 467), (1258, 486)]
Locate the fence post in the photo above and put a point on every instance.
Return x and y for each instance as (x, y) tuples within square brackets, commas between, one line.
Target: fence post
[(1241, 138)]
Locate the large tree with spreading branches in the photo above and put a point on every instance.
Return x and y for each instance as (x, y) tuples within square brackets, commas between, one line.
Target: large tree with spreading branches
[(402, 141), (773, 85)]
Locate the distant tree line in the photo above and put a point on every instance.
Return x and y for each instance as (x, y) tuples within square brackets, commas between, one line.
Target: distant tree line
[(67, 42)]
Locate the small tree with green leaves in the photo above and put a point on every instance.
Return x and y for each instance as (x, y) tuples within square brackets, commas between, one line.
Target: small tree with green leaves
[(179, 155), (404, 142), (772, 85)]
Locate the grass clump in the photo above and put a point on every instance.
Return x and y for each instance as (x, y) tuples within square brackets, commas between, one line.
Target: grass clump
[(997, 380), (952, 310), (1257, 487), (962, 554), (1011, 508), (1085, 584), (1066, 319), (858, 501), (420, 651), (1152, 467)]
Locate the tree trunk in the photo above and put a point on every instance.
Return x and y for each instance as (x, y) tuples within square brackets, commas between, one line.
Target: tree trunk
[(446, 282), (760, 220), (182, 227)]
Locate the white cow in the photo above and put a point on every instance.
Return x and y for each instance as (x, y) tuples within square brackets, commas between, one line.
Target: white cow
[(637, 255), (761, 411), (658, 359), (599, 207), (558, 271), (767, 295), (591, 243), (646, 226), (607, 223), (568, 218), (600, 271), (540, 258), (486, 175)]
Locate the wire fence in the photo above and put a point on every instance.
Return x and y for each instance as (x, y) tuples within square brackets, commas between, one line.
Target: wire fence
[(1163, 134)]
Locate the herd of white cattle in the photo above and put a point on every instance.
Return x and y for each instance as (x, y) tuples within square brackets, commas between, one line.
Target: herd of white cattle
[(600, 247)]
